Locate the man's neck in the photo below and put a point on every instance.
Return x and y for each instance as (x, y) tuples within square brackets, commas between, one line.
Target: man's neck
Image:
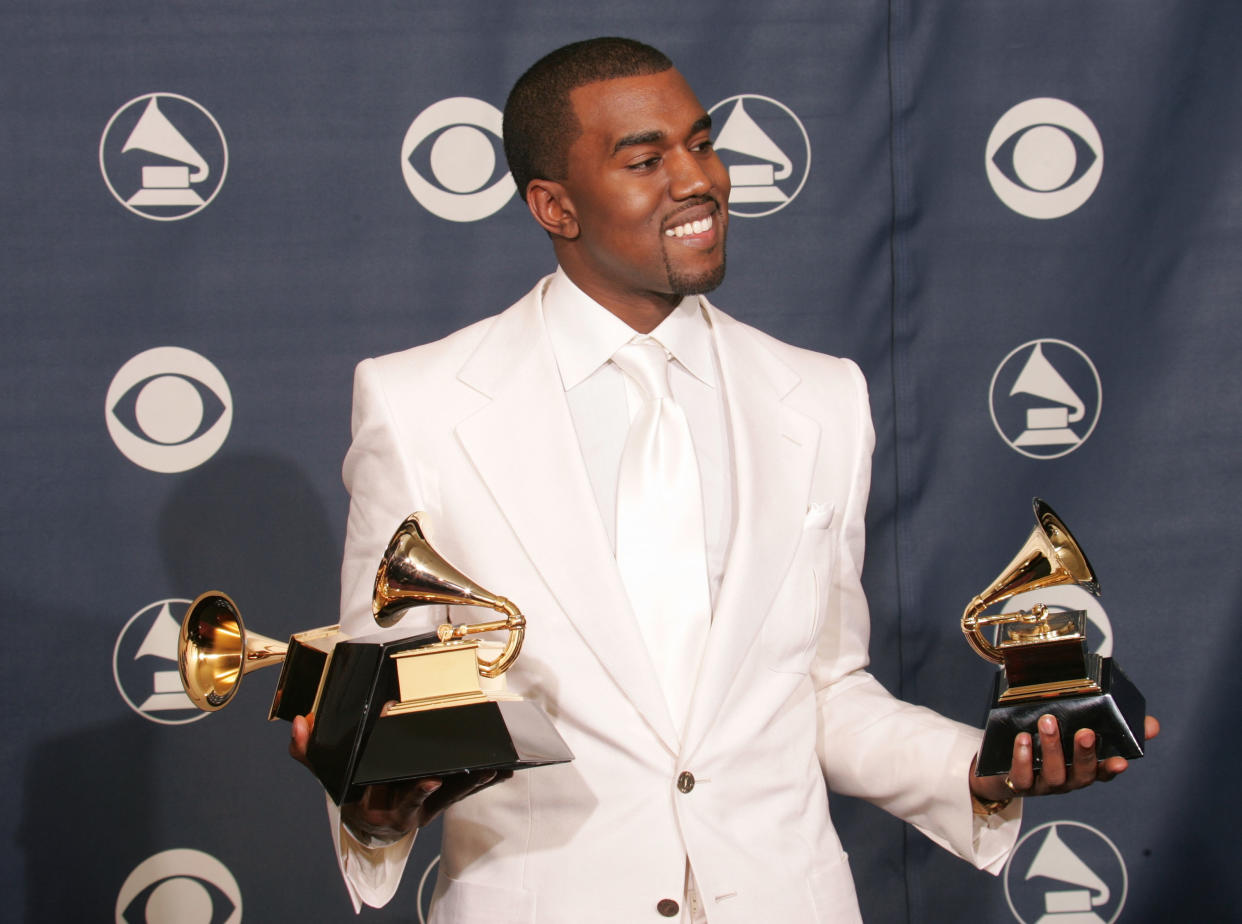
[(642, 311)]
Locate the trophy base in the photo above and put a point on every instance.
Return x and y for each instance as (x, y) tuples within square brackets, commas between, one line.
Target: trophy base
[(354, 744), (302, 671), (1116, 715), (510, 734)]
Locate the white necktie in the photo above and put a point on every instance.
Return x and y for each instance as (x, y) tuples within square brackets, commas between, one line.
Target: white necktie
[(660, 545)]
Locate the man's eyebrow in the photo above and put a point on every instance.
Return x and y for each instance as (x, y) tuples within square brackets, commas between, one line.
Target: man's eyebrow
[(637, 138), (655, 136)]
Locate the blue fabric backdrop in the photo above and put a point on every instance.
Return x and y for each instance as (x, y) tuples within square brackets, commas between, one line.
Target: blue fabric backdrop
[(211, 212)]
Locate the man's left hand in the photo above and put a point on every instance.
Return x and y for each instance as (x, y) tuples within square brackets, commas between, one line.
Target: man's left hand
[(1056, 776)]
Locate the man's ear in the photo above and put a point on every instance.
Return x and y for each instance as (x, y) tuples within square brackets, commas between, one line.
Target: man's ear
[(549, 202)]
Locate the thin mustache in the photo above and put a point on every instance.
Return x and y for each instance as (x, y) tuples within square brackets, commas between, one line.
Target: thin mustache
[(702, 200)]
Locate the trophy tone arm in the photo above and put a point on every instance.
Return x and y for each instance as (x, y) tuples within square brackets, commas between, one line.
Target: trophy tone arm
[(514, 621), (1041, 626), (972, 626)]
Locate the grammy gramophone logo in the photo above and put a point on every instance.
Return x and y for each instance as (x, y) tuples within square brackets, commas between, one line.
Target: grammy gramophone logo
[(766, 150), (163, 156), (144, 664), (1045, 398), (1066, 872)]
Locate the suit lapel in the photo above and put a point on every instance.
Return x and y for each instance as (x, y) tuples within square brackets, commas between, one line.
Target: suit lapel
[(774, 450), (523, 444)]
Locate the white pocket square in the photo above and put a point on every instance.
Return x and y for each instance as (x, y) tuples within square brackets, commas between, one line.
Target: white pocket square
[(818, 516)]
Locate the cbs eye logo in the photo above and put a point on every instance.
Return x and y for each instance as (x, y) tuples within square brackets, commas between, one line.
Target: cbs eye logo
[(1044, 158), (449, 142), (179, 887), (168, 409)]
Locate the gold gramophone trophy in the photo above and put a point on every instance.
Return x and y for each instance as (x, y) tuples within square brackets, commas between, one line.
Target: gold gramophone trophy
[(1046, 668), (386, 708)]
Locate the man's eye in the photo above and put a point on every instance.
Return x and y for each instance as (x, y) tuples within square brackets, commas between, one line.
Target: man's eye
[(648, 162)]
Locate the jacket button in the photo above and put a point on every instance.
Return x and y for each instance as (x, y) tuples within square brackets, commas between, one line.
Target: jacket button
[(668, 908), (685, 782)]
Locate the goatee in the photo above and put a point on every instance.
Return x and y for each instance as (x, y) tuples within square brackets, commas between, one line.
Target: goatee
[(696, 284)]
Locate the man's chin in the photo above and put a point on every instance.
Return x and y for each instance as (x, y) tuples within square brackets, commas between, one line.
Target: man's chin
[(698, 283)]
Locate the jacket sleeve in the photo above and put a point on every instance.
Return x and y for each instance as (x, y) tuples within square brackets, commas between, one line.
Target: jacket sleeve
[(384, 489), (909, 760)]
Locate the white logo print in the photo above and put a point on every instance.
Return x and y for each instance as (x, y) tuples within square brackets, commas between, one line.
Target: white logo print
[(462, 160), (168, 409), (1065, 872), (179, 887), (144, 665), (163, 156), (767, 151), (1044, 158), (1045, 398)]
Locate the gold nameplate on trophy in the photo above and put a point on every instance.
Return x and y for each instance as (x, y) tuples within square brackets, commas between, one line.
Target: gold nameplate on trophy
[(1045, 665), (442, 674)]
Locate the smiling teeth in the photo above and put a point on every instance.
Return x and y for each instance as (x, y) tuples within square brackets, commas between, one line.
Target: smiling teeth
[(690, 227)]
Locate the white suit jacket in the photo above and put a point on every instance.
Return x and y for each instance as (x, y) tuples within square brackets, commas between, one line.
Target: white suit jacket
[(475, 430)]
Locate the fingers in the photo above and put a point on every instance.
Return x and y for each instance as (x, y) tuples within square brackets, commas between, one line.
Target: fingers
[(1055, 775), (1085, 768), (456, 787), (299, 738), (412, 799), (1151, 726), (1110, 768), (1022, 767), (1053, 766), (397, 798), (501, 776), (389, 811)]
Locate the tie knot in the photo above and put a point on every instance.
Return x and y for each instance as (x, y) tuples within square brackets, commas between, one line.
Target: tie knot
[(646, 362)]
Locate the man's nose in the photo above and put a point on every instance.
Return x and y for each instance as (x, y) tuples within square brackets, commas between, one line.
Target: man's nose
[(689, 176)]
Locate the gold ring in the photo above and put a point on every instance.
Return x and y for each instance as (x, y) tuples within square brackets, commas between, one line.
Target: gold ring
[(1009, 783)]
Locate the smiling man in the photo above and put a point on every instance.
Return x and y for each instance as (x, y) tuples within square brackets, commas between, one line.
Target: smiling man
[(676, 500), (639, 214)]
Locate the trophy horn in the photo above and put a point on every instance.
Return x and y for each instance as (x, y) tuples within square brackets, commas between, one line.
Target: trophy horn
[(1049, 557), (412, 573), (214, 651)]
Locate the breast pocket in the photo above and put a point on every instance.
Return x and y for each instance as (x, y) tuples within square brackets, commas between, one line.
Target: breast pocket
[(797, 613)]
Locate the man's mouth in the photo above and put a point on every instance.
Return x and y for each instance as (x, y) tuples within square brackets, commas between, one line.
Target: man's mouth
[(697, 226)]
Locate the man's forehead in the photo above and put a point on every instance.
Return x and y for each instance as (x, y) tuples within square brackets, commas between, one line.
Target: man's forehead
[(616, 108)]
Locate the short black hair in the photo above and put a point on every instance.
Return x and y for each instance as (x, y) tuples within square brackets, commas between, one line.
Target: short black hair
[(539, 121)]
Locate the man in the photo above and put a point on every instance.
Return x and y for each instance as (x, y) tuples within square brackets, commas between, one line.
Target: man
[(703, 741)]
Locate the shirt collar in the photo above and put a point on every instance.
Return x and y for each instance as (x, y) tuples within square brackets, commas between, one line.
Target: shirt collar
[(585, 334)]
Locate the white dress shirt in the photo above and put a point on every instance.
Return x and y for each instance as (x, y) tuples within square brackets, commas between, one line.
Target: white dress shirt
[(603, 400)]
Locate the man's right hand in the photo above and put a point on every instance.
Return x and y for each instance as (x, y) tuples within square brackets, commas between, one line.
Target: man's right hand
[(387, 812)]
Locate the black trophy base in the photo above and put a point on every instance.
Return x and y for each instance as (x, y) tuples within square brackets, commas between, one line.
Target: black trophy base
[(502, 735), (1116, 714), (352, 745), (301, 673)]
